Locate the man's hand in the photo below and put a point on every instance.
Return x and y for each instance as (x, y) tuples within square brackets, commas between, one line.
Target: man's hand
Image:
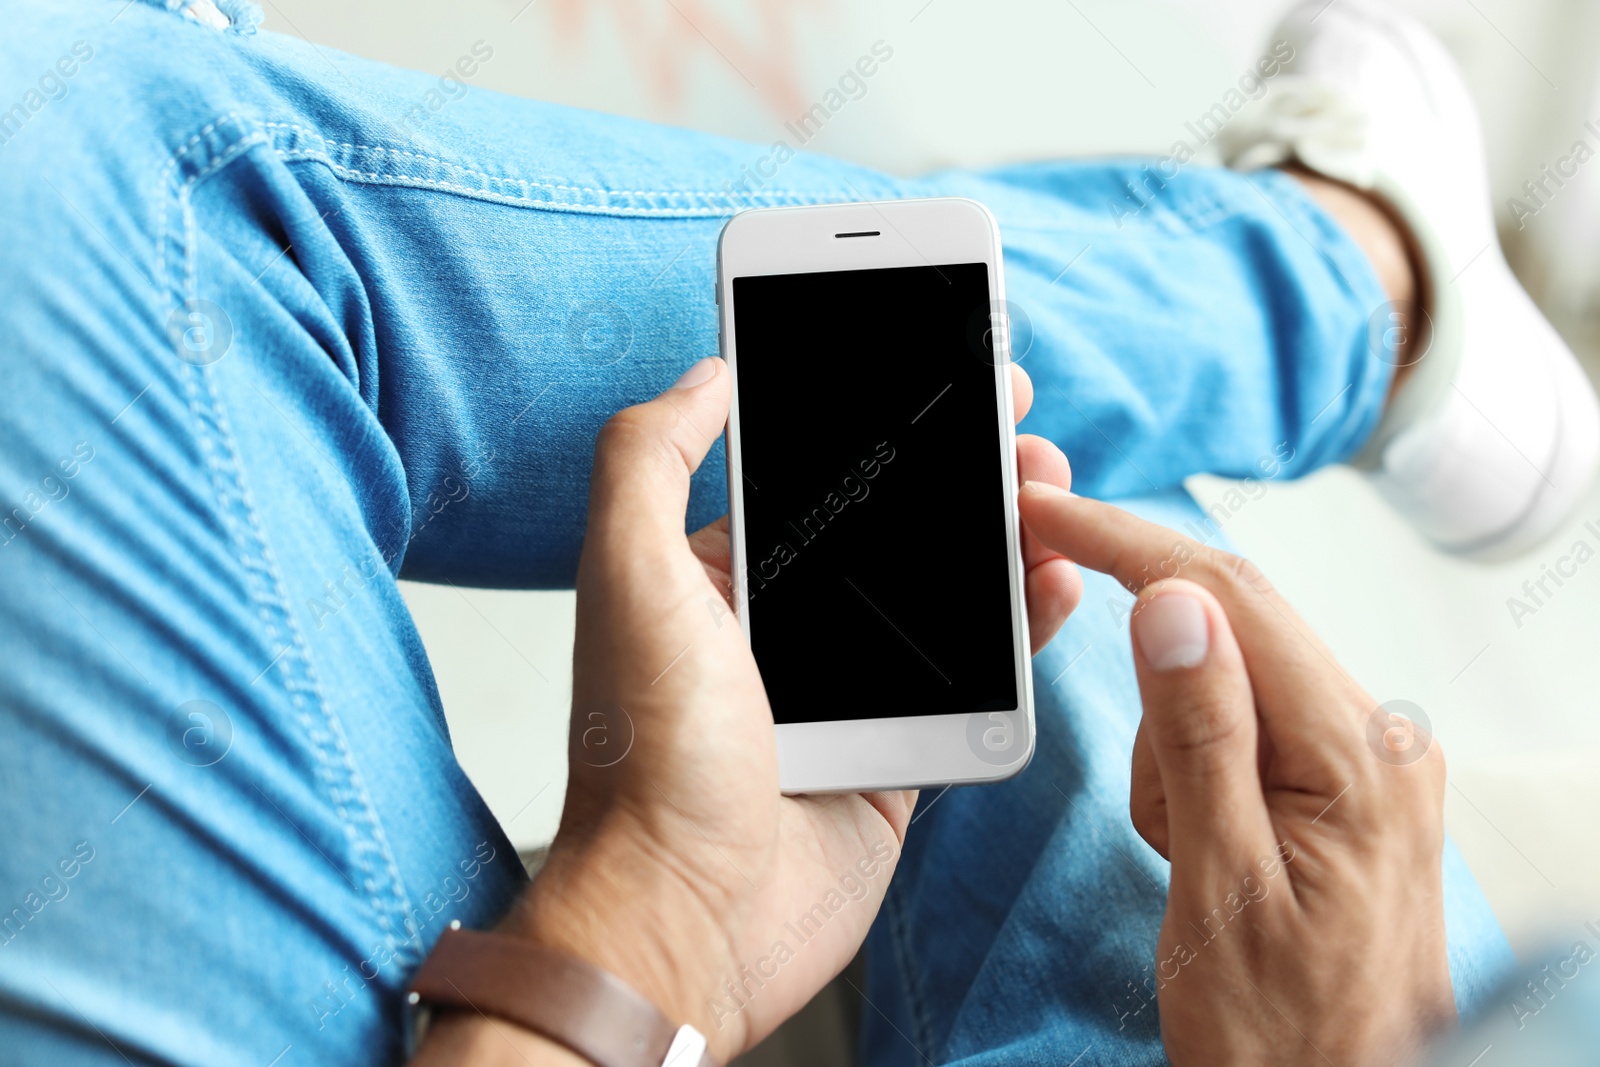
[(678, 866), (1305, 919)]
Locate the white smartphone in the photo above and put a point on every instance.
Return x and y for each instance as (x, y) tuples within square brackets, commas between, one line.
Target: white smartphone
[(872, 483)]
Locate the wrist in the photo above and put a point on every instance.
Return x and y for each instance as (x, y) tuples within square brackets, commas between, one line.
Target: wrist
[(464, 1037), (612, 905)]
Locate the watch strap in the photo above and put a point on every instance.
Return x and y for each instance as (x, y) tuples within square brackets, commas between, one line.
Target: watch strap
[(567, 1000)]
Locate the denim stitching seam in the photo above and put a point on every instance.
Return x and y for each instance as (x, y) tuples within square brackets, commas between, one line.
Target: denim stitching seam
[(900, 938), (163, 208), (303, 144), (484, 174), (265, 580)]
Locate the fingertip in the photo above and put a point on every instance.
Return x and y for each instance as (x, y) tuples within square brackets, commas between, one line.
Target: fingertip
[(699, 374), (1021, 392), (895, 807), (1046, 521), (1039, 460), (1055, 589), (668, 435), (1176, 602), (1172, 630)]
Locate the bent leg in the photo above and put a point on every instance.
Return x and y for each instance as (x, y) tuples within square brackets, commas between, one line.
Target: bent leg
[(492, 280), (570, 271), (272, 341)]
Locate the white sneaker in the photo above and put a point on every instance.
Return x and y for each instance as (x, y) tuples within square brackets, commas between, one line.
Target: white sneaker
[(1495, 436)]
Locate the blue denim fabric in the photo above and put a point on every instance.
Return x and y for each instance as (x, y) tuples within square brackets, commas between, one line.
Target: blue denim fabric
[(278, 330)]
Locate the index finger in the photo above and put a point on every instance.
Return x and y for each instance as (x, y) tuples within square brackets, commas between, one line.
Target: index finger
[(1021, 392), (1295, 677)]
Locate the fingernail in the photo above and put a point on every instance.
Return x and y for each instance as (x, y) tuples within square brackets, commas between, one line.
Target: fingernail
[(1172, 632), (1044, 489), (703, 371)]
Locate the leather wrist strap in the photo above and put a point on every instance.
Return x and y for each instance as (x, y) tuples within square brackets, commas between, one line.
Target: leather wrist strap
[(557, 996)]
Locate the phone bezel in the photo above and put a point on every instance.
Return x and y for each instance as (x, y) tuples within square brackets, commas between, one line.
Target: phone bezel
[(899, 752)]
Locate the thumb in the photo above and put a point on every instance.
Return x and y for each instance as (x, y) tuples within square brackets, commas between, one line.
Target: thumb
[(643, 457), (638, 579), (1200, 719)]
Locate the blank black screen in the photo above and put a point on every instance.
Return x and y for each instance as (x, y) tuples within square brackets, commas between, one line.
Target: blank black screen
[(874, 508)]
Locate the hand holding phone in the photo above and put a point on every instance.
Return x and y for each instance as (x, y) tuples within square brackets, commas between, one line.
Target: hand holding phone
[(678, 866)]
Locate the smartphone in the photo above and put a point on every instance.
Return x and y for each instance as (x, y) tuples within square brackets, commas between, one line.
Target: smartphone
[(872, 484)]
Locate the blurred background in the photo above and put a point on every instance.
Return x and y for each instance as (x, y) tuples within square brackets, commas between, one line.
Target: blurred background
[(1005, 80)]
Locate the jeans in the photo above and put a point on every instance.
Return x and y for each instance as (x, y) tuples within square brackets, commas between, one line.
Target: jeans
[(283, 326)]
